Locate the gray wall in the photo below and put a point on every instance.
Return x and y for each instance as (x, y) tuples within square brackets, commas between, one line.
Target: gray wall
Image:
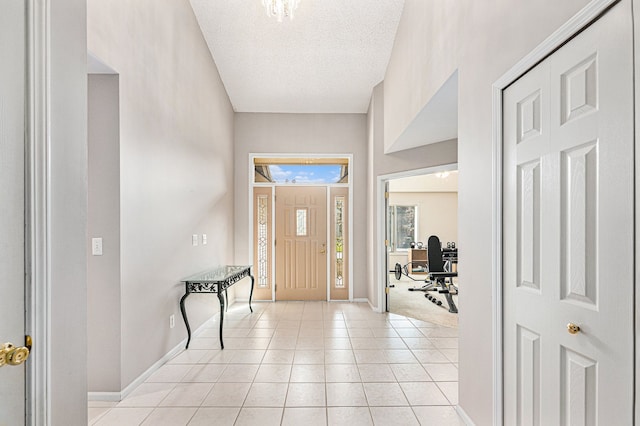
[(529, 23), (68, 209), (176, 167), (382, 164), (424, 56), (482, 43), (103, 272), (304, 134)]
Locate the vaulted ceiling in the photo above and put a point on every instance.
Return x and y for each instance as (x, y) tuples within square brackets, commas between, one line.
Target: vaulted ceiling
[(326, 60)]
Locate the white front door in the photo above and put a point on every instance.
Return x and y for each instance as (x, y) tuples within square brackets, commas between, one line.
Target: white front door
[(569, 233), (12, 143)]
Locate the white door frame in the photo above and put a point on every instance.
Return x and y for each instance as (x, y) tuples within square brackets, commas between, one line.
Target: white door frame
[(567, 31), (37, 213), (380, 249), (252, 184)]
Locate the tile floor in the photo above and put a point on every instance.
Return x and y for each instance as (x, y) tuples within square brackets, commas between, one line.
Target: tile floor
[(301, 363)]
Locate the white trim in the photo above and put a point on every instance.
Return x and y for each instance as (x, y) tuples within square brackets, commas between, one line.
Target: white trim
[(105, 396), (243, 300), (496, 256), (416, 226), (357, 300), (373, 308), (119, 396), (272, 276), (380, 250), (252, 184), (568, 30), (350, 209), (464, 416), (326, 249), (322, 185), (37, 214), (636, 99)]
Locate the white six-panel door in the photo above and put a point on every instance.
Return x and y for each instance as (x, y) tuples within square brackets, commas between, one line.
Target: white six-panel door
[(12, 143), (569, 233)]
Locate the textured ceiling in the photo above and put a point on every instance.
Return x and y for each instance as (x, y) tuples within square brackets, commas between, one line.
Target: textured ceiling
[(327, 60)]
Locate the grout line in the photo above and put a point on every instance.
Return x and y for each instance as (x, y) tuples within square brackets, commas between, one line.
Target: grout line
[(384, 344)]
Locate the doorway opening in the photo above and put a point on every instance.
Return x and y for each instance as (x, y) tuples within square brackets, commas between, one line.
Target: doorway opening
[(300, 226), (419, 206)]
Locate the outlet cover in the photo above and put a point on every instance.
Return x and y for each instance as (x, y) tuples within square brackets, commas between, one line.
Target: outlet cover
[(194, 239), (204, 239), (96, 246), (172, 321)]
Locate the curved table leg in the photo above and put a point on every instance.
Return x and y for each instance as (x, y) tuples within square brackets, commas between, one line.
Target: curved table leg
[(226, 301), (184, 317), (221, 299), (251, 294)]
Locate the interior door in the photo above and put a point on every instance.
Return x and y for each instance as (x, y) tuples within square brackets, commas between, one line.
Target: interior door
[(569, 233), (387, 245), (301, 243), (12, 265)]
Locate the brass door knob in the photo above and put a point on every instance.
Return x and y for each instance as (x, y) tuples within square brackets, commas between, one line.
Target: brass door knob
[(12, 355), (572, 328), (323, 250)]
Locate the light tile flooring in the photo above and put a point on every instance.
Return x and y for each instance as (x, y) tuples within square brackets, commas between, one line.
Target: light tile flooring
[(301, 363)]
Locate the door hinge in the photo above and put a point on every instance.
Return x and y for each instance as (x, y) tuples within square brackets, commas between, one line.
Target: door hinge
[(386, 194), (386, 243), (275, 287), (386, 290)]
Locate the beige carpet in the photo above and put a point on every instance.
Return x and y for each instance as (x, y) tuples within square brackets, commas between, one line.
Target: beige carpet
[(413, 303)]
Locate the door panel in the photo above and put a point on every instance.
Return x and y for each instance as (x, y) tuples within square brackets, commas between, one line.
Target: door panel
[(12, 142), (568, 233), (301, 243)]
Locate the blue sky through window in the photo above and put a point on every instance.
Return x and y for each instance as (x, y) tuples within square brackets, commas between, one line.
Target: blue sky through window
[(312, 173)]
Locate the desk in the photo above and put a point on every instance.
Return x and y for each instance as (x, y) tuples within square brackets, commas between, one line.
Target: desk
[(214, 281)]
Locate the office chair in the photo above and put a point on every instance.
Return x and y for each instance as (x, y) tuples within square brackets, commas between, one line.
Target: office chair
[(438, 274)]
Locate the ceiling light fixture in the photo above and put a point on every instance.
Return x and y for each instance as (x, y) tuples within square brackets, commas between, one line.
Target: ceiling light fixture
[(280, 8)]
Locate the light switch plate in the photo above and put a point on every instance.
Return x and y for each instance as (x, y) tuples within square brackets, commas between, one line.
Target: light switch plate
[(96, 246), (194, 239), (204, 239)]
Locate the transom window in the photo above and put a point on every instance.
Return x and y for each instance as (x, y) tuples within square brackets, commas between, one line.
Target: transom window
[(306, 171)]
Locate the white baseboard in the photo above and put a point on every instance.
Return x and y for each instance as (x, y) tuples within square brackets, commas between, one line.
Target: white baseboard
[(373, 308), (465, 418), (119, 396), (238, 300), (104, 396), (358, 300)]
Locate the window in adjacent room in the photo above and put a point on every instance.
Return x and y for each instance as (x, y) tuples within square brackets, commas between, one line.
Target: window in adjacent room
[(402, 226)]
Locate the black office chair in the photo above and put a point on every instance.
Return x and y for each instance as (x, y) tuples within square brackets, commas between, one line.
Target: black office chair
[(438, 274)]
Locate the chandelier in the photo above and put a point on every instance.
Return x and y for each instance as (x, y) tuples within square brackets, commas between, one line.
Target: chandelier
[(280, 8)]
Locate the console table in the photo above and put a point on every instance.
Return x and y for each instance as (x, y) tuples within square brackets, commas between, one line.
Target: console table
[(216, 281)]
